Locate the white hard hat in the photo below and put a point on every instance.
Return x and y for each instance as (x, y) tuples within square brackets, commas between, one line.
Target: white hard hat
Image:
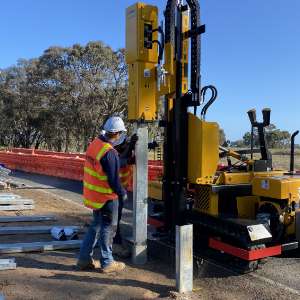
[(114, 125)]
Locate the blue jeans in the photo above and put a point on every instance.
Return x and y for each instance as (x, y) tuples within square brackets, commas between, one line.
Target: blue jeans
[(102, 230)]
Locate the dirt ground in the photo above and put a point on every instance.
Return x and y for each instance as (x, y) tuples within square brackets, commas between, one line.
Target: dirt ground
[(51, 275)]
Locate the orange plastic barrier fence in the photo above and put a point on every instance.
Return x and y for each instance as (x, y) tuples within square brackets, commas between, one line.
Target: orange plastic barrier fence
[(58, 164), (70, 167)]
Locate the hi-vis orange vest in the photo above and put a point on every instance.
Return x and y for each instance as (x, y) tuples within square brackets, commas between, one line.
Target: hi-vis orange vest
[(96, 189)]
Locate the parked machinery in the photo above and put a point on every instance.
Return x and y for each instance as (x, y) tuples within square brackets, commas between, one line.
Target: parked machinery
[(247, 209)]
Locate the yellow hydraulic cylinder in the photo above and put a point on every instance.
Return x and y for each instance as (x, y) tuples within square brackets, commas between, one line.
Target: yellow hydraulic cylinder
[(185, 53), (168, 87)]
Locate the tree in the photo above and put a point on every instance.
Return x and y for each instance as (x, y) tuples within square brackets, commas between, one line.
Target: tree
[(83, 85), (19, 126), (60, 99), (247, 139)]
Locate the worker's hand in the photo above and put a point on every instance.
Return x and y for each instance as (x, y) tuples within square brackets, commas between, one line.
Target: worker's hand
[(124, 197), (153, 145), (133, 141)]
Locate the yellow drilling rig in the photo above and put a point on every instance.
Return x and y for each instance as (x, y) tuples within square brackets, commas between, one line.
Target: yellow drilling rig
[(247, 210)]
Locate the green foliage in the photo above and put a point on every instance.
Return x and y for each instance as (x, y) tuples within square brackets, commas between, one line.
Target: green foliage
[(246, 139), (61, 99)]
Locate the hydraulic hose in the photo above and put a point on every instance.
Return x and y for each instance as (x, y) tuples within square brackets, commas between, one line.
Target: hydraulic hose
[(214, 95)]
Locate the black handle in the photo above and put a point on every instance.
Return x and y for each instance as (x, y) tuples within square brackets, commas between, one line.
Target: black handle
[(265, 153), (266, 116), (252, 116)]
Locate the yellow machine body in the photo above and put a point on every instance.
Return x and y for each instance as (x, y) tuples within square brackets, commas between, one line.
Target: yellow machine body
[(244, 177), (138, 17), (142, 57), (203, 150), (277, 187), (142, 103), (283, 193), (269, 190)]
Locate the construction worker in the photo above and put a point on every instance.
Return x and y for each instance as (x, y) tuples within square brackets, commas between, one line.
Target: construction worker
[(102, 189), (127, 159)]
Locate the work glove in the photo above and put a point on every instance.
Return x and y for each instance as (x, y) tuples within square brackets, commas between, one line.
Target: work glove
[(133, 141), (124, 197), (153, 145)]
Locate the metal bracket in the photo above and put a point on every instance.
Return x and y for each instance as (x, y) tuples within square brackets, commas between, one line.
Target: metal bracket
[(194, 32), (188, 100)]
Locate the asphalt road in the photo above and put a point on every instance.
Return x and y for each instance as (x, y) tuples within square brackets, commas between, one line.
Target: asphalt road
[(279, 278), (65, 188)]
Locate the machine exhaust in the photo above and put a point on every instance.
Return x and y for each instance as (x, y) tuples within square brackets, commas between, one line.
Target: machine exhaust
[(292, 163)]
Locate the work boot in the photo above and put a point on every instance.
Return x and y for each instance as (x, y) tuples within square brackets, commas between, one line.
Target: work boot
[(114, 267), (121, 251), (87, 266)]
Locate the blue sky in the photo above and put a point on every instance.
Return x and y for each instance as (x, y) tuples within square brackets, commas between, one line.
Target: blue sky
[(251, 50)]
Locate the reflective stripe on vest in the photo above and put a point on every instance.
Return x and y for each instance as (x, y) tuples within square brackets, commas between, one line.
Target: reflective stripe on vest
[(92, 204), (102, 151), (95, 174), (125, 174), (96, 188)]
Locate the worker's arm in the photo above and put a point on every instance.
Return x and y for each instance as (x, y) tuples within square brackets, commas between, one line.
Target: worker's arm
[(128, 160), (111, 166)]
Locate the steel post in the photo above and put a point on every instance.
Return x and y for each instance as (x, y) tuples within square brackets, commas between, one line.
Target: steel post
[(140, 197), (184, 258)]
